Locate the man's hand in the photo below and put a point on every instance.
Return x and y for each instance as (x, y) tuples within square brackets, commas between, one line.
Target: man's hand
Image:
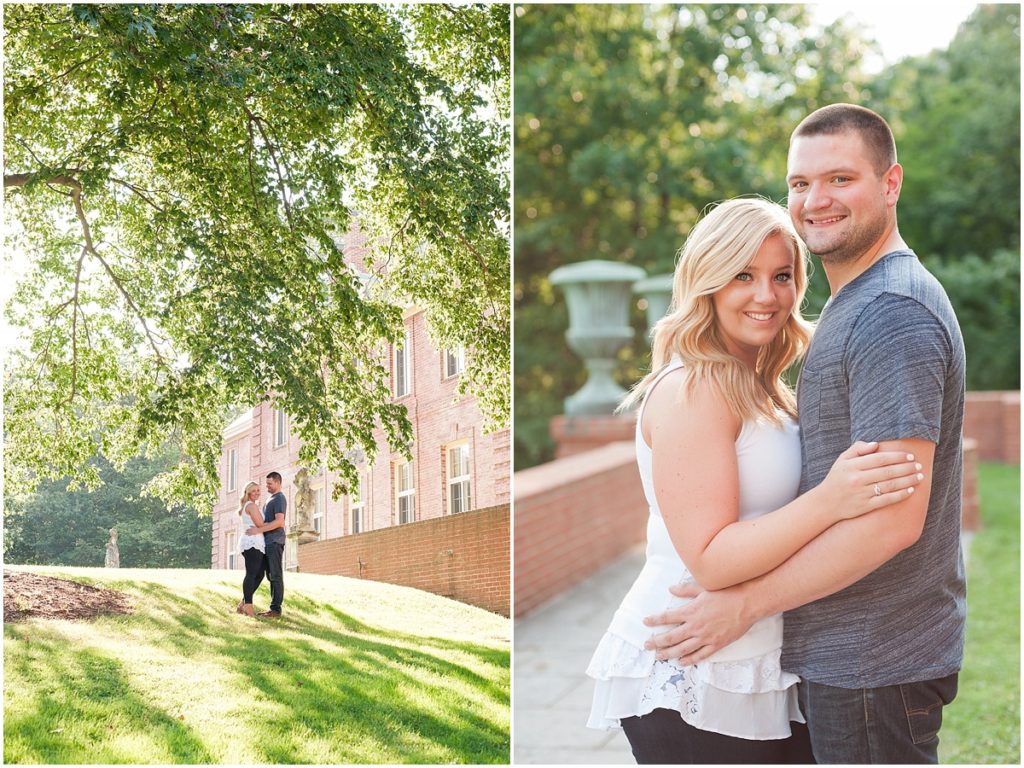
[(251, 530), (706, 624)]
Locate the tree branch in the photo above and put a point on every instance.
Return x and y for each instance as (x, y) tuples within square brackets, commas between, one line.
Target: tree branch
[(138, 191), (258, 121), (74, 331), (21, 179)]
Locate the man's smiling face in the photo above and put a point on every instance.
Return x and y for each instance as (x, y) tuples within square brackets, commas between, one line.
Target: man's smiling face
[(837, 197)]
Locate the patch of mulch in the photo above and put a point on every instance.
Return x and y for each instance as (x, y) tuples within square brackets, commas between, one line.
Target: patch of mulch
[(31, 595)]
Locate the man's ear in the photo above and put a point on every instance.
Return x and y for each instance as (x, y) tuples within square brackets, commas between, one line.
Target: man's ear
[(893, 180)]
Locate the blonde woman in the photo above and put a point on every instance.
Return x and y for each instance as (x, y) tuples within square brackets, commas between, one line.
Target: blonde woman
[(719, 457), (251, 546)]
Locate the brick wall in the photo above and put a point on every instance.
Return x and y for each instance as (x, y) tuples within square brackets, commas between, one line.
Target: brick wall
[(573, 516), (993, 419), (576, 434), (464, 557)]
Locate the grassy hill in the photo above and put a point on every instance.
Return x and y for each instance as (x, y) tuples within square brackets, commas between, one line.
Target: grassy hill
[(356, 672)]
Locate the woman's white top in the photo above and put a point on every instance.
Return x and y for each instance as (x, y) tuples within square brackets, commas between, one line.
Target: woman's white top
[(245, 541), (741, 689)]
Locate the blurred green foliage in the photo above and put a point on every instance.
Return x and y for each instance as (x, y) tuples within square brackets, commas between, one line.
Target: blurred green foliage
[(629, 120), (57, 526)]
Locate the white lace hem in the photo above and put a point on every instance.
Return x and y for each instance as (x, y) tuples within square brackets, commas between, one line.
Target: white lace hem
[(751, 698), (245, 541)]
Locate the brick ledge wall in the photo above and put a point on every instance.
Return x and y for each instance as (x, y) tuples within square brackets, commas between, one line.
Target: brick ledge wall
[(573, 516), (464, 557)]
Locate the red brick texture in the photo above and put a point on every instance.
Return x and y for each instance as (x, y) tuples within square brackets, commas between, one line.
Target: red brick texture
[(575, 434), (993, 419), (573, 516), (463, 556)]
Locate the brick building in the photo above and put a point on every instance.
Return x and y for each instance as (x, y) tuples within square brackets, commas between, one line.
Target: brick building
[(455, 467)]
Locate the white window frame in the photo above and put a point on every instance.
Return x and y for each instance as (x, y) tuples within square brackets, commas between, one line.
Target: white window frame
[(456, 356), (232, 469), (405, 469), (231, 544), (319, 510), (402, 367), (463, 480), (357, 506), (280, 428)]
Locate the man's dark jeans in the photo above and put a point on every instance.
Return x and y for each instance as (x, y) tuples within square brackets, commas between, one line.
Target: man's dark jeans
[(893, 724), (275, 574)]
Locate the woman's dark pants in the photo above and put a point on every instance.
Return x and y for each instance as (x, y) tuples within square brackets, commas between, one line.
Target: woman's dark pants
[(663, 737), (254, 569)]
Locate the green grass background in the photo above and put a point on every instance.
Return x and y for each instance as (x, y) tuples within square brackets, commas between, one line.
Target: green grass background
[(982, 725), (356, 672)]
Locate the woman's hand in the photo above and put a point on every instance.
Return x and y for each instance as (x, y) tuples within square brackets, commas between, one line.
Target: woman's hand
[(864, 479)]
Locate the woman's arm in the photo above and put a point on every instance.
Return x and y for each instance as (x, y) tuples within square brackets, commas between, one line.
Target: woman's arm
[(696, 483)]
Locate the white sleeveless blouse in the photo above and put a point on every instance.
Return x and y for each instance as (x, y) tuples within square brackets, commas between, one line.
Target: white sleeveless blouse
[(245, 540), (741, 689)]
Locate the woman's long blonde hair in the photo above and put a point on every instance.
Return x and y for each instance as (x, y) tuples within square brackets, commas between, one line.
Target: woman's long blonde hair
[(244, 498), (719, 247)]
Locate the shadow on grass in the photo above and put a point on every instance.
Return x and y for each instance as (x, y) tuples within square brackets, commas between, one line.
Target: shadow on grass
[(353, 693), (79, 704)]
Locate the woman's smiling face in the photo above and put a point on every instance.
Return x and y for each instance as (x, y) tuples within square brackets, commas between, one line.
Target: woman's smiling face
[(755, 305)]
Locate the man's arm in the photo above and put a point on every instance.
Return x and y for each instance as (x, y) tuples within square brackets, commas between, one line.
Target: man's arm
[(842, 555), (277, 522)]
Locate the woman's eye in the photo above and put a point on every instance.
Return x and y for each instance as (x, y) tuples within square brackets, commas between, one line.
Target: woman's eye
[(784, 277), (744, 276)]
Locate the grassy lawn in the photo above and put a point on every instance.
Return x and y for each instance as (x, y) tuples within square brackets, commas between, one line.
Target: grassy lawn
[(982, 725), (356, 672)]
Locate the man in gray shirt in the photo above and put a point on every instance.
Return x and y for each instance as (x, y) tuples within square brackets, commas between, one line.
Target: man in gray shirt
[(875, 606)]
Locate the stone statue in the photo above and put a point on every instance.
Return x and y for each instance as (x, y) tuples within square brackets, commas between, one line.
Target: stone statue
[(113, 557), (304, 501)]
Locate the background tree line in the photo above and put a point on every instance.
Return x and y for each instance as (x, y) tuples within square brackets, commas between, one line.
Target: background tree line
[(54, 526), (629, 120)]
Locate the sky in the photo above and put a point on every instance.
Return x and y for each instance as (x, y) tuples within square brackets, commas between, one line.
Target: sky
[(900, 28)]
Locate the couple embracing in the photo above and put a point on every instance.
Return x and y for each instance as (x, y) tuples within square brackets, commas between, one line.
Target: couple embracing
[(261, 541), (803, 598)]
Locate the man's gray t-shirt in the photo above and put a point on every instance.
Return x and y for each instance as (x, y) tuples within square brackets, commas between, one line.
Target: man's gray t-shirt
[(275, 504), (886, 363)]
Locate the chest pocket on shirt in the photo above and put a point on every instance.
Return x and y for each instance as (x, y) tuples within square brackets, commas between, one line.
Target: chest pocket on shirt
[(824, 401)]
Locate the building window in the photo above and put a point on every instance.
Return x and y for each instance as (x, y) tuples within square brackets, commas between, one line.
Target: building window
[(280, 428), (232, 469), (232, 548), (459, 482), (357, 504), (403, 370), (405, 492), (319, 510), (454, 361)]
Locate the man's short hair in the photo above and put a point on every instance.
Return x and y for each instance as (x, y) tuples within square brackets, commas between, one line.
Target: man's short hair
[(840, 118), (275, 476)]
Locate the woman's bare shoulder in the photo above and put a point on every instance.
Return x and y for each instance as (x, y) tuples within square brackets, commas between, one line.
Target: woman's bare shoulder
[(676, 405)]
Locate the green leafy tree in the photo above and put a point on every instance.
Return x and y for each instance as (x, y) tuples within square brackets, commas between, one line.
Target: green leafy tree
[(629, 121), (985, 293), (55, 527), (179, 176), (956, 114)]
